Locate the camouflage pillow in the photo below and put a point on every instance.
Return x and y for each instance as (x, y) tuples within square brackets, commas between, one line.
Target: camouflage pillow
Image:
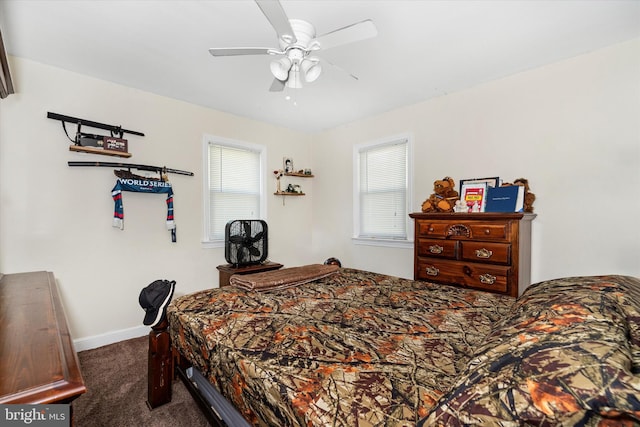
[(567, 354)]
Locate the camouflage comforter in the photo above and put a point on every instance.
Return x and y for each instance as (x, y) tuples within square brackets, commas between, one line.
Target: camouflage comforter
[(568, 354), (352, 349), (362, 349)]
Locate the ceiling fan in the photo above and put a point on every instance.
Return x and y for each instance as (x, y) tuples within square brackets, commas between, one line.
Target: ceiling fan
[(298, 44)]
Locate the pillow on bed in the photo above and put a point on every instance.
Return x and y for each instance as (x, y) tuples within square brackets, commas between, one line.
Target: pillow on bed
[(565, 355)]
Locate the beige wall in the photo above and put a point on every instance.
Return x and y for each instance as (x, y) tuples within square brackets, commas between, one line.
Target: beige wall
[(57, 218), (572, 128)]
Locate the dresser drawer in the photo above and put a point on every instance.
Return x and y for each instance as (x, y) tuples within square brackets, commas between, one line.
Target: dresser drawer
[(432, 229), (498, 230), (466, 274), (486, 252), (438, 248)]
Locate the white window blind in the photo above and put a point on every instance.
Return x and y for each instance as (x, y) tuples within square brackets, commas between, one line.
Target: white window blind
[(234, 187), (383, 190)]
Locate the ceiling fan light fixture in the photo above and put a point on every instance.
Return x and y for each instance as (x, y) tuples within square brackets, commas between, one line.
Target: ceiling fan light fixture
[(294, 81), (280, 68), (311, 69)]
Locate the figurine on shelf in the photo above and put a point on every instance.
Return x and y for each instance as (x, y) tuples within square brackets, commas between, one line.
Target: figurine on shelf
[(278, 173), (460, 207)]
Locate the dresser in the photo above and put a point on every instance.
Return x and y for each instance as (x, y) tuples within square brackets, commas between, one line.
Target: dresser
[(484, 251), (38, 363)]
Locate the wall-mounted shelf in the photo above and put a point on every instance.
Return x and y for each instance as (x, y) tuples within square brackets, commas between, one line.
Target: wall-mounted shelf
[(116, 138), (102, 151), (291, 193), (299, 175), (287, 193)]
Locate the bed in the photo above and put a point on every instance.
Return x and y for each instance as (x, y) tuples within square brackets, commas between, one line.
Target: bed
[(356, 348)]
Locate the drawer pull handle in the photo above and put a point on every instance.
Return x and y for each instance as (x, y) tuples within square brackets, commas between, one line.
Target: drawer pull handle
[(431, 271), (487, 279), (483, 253), (459, 230), (436, 249)]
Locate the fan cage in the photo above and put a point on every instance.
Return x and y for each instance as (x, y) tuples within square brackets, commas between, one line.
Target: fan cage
[(246, 242)]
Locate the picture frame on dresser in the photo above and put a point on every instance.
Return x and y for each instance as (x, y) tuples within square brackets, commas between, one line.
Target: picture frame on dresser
[(491, 182), (474, 195)]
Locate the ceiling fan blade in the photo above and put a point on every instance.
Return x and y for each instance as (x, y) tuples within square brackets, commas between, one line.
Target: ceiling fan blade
[(277, 86), (276, 15), (235, 51), (351, 33), (341, 69)]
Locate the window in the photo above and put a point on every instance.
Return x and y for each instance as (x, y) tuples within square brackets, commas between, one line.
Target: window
[(233, 185), (382, 192)]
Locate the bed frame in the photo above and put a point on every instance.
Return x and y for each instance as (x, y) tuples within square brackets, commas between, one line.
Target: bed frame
[(166, 364)]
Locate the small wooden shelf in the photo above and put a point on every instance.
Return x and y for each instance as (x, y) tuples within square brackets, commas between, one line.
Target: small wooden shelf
[(287, 193), (102, 151), (299, 175), (291, 193)]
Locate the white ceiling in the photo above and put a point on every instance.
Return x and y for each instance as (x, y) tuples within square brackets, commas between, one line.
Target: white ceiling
[(423, 49)]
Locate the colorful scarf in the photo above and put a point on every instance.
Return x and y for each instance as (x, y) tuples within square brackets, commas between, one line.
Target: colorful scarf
[(142, 186)]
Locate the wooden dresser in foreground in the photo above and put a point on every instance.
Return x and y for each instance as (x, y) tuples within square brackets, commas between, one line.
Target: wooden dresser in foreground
[(38, 363), (485, 251)]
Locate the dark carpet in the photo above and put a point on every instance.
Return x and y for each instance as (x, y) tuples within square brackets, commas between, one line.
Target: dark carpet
[(116, 380)]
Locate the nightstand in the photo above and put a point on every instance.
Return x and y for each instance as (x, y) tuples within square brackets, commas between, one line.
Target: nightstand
[(227, 270)]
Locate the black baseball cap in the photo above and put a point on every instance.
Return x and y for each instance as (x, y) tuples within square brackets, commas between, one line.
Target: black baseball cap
[(154, 299)]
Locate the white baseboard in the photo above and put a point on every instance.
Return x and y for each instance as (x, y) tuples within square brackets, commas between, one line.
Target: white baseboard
[(110, 337)]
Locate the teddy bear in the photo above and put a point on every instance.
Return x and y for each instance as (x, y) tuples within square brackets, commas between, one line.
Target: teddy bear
[(529, 197), (444, 197)]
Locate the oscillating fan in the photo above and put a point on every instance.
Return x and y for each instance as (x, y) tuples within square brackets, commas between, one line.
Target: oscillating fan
[(246, 242)]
